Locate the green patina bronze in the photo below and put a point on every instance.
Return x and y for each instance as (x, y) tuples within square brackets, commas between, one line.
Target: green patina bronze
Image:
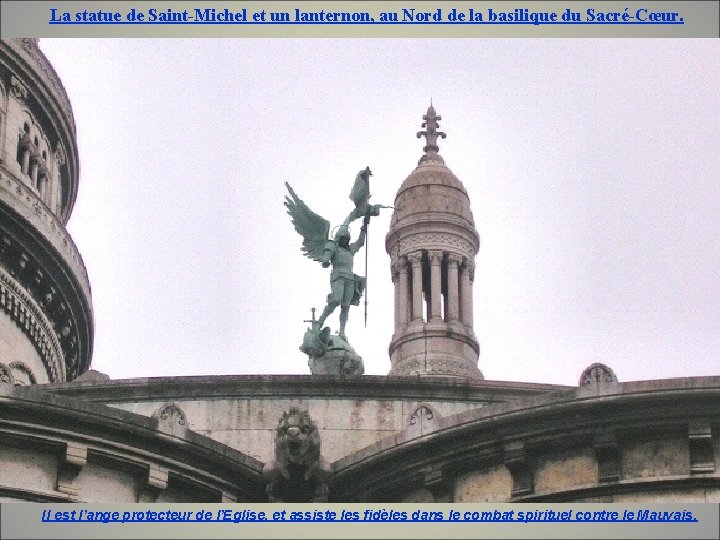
[(331, 353)]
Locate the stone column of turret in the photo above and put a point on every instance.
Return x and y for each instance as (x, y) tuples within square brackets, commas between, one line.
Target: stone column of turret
[(432, 244), (46, 320)]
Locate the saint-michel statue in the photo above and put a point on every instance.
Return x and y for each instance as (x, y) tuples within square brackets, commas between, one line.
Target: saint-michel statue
[(346, 287)]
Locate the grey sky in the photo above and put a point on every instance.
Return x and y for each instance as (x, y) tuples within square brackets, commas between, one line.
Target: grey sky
[(593, 169)]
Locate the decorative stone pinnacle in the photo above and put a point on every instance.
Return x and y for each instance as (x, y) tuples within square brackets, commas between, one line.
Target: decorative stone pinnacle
[(431, 133)]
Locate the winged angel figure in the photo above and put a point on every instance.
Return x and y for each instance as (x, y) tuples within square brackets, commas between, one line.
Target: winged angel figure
[(346, 288)]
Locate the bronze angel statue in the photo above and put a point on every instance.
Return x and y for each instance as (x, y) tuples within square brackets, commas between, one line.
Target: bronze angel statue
[(346, 287)]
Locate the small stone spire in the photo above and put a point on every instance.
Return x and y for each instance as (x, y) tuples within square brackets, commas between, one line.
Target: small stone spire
[(431, 134)]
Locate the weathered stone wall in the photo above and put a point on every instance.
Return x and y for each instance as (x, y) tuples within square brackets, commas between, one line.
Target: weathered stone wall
[(51, 451), (350, 413), (560, 471), (345, 425), (573, 475), (28, 469), (603, 442), (487, 485), (655, 458), (414, 439)]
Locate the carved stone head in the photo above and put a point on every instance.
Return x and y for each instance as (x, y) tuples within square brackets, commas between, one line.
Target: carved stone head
[(297, 439)]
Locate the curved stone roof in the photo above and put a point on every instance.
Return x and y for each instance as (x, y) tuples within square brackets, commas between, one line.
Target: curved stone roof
[(432, 188)]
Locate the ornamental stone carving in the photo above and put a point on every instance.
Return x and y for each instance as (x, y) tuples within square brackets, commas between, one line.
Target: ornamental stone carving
[(29, 318), (297, 472), (21, 372), (22, 198), (436, 240), (414, 258), (5, 375), (440, 366), (598, 379), (60, 155), (435, 257), (18, 89), (422, 413), (171, 420), (28, 49), (423, 420)]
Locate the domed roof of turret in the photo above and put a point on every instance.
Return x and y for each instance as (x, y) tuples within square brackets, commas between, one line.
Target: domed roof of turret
[(432, 190)]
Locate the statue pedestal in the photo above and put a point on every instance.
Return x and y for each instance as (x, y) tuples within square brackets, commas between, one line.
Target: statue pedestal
[(337, 362), (330, 354)]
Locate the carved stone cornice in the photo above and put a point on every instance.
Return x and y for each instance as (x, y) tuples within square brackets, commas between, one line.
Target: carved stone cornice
[(29, 318), (18, 89), (33, 56), (25, 201), (81, 432), (454, 258), (435, 257), (397, 265), (521, 433), (469, 267), (437, 241), (415, 258), (37, 251), (46, 99), (425, 332), (294, 387)]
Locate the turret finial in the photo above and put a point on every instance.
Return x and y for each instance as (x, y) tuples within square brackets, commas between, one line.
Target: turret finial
[(431, 133)]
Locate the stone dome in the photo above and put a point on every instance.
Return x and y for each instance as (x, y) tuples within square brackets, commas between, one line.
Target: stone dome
[(432, 193)]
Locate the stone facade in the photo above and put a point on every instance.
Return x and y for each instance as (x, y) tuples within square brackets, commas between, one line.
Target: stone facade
[(351, 413), (56, 448), (384, 439), (640, 441)]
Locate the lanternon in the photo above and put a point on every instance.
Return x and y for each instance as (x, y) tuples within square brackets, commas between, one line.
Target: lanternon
[(432, 245)]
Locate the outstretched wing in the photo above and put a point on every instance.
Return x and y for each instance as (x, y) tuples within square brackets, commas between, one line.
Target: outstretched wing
[(313, 228)]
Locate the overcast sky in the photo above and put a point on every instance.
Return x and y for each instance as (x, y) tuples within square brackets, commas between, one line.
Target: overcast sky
[(592, 166)]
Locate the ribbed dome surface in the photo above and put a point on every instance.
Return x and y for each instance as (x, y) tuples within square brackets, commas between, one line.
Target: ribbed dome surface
[(431, 188)]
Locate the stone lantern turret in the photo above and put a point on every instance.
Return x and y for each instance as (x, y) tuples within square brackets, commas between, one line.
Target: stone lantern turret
[(432, 245)]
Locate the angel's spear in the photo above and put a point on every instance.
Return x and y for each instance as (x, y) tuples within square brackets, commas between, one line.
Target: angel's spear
[(367, 241), (367, 247), (370, 210)]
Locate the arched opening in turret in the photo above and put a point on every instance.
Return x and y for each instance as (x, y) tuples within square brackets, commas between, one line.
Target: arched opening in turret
[(427, 296), (444, 288), (23, 149), (64, 191)]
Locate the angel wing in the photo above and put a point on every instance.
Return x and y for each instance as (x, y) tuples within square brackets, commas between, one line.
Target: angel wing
[(313, 228)]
